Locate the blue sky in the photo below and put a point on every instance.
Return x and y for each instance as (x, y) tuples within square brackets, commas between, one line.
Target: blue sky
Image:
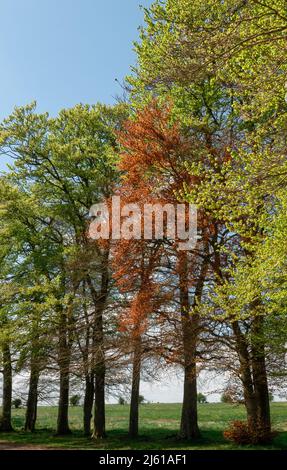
[(61, 52)]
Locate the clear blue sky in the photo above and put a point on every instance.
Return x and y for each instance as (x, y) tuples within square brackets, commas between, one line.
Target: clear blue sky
[(61, 52)]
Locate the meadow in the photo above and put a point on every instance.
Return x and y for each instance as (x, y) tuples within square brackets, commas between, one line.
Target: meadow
[(158, 428)]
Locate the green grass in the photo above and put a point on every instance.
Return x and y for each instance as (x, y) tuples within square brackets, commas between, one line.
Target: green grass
[(158, 427)]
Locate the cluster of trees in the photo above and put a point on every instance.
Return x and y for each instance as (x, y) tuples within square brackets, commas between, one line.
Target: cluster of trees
[(205, 124)]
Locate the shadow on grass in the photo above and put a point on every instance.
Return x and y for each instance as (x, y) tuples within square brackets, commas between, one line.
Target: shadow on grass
[(148, 440)]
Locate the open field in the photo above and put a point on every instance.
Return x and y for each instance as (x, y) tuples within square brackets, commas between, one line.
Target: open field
[(158, 424)]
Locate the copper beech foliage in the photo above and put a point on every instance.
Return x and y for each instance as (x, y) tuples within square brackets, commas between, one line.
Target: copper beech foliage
[(153, 165)]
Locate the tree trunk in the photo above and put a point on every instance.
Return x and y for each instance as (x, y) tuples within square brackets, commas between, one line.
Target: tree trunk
[(88, 403), (99, 409), (260, 378), (5, 420), (99, 369), (64, 365), (254, 378), (190, 330), (31, 411), (189, 422), (63, 408), (99, 360), (246, 375), (134, 407)]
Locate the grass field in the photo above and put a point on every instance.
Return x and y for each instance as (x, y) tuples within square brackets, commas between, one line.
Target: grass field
[(158, 426)]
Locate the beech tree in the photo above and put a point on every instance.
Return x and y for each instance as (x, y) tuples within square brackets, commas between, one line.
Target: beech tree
[(209, 58), (154, 160), (68, 172)]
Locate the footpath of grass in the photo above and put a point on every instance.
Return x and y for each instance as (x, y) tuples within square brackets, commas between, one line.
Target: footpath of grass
[(158, 427)]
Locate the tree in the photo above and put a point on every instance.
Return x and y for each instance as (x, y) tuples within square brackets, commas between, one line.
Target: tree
[(17, 402), (154, 160), (201, 398), (210, 60), (134, 277), (63, 195), (141, 399), (75, 400)]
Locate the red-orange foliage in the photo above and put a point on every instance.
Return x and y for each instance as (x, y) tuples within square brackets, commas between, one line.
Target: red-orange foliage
[(154, 155), (153, 162), (240, 432), (150, 145), (134, 266)]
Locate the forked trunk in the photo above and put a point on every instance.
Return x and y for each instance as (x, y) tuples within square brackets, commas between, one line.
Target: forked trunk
[(246, 375)]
